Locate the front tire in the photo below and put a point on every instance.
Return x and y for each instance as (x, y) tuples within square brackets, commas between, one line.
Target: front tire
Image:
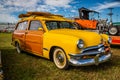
[(60, 58)]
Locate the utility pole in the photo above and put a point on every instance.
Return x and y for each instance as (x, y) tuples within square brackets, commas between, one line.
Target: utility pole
[(110, 14)]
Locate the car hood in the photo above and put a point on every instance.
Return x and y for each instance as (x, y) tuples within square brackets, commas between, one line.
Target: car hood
[(89, 38)]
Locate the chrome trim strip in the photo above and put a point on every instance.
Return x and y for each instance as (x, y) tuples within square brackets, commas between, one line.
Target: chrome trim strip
[(92, 47), (45, 49), (90, 53)]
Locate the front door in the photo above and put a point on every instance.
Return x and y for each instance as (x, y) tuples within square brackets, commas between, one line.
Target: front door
[(34, 38)]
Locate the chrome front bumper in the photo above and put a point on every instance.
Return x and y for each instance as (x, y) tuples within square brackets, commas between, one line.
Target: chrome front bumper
[(99, 56), (86, 62)]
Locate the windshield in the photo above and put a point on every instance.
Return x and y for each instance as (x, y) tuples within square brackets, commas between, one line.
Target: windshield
[(59, 25), (93, 16)]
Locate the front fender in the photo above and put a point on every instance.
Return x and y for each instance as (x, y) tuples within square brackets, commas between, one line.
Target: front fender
[(105, 39), (104, 36), (67, 43)]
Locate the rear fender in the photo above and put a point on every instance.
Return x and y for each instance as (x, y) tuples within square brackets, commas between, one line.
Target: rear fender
[(16, 41)]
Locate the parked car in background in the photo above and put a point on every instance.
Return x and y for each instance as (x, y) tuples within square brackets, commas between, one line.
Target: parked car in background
[(58, 39), (115, 40), (7, 27), (115, 29), (114, 32)]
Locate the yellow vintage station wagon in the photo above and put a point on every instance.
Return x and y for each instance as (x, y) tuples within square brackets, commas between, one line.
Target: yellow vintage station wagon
[(57, 38)]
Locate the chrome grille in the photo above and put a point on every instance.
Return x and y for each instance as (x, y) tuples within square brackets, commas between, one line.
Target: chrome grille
[(92, 50)]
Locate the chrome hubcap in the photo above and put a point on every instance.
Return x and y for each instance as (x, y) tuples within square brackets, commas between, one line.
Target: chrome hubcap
[(60, 58)]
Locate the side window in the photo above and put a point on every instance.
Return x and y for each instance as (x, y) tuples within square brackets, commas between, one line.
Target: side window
[(22, 25), (65, 25), (51, 25), (34, 25)]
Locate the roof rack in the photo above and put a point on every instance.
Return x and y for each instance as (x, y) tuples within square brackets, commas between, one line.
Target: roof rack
[(28, 14)]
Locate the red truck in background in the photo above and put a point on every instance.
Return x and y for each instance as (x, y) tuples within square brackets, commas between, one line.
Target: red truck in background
[(101, 25), (115, 40), (114, 32), (84, 19)]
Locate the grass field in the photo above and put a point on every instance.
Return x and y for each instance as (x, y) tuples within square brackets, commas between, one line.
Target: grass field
[(28, 67)]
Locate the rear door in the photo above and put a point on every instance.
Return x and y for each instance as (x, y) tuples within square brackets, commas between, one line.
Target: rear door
[(34, 37)]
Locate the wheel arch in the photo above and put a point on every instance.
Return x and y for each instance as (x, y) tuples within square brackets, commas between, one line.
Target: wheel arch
[(52, 50), (62, 62), (17, 41)]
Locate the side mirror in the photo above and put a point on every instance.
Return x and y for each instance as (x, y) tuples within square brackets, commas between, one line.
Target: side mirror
[(40, 28)]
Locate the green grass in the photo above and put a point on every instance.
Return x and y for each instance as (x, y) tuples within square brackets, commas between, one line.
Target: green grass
[(28, 67)]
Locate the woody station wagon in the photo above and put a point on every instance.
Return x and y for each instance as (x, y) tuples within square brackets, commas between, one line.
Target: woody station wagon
[(58, 39)]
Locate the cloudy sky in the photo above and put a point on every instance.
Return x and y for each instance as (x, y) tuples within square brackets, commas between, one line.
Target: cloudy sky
[(10, 9)]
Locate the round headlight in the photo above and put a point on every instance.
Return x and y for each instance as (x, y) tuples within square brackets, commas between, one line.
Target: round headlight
[(80, 43), (109, 40)]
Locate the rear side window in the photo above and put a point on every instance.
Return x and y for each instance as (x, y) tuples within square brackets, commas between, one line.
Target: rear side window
[(22, 25), (34, 25)]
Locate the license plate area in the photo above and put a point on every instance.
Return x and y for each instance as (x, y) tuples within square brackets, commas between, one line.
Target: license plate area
[(96, 59)]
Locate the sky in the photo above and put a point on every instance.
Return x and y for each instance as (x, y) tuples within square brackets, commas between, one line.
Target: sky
[(10, 9)]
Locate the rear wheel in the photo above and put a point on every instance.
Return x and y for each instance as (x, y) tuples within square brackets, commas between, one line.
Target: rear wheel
[(60, 58), (113, 30), (18, 48)]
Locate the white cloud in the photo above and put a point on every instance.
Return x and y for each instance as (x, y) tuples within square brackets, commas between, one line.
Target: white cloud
[(73, 11), (8, 7), (46, 8), (7, 18), (34, 5), (22, 3), (106, 5), (59, 3)]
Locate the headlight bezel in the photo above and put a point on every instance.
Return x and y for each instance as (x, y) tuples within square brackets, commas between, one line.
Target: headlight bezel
[(80, 44)]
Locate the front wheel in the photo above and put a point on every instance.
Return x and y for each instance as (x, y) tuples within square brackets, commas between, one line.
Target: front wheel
[(60, 59)]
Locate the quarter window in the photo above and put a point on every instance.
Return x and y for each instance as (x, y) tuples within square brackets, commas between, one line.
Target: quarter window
[(22, 25), (34, 25)]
